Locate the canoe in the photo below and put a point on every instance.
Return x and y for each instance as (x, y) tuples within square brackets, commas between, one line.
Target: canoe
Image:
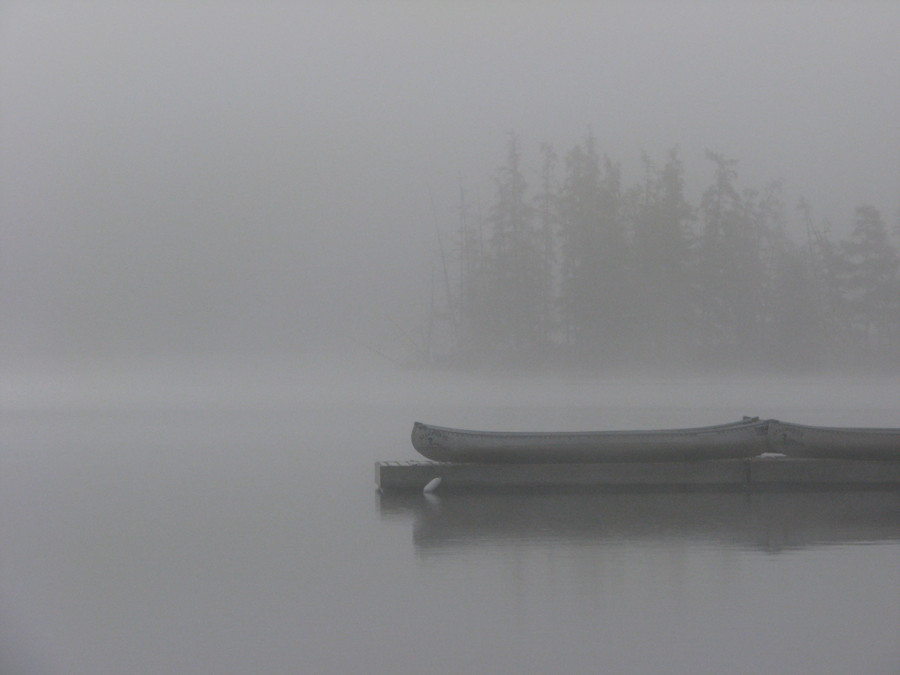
[(747, 438), (751, 437), (799, 440)]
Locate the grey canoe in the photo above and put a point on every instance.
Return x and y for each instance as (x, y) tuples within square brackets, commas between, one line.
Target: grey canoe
[(725, 441), (799, 440), (750, 437)]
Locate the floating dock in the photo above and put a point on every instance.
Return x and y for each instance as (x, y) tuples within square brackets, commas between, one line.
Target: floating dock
[(749, 474)]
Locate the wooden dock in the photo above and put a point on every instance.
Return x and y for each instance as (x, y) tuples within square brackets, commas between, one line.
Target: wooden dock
[(753, 474)]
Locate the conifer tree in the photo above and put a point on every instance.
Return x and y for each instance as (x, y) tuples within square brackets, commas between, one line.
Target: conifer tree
[(871, 280), (595, 270), (514, 278), (731, 271), (662, 242), (547, 212)]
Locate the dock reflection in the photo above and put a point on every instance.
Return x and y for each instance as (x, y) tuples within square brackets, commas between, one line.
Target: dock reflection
[(766, 521)]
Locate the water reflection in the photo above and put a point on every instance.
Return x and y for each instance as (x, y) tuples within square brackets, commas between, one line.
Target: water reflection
[(771, 522)]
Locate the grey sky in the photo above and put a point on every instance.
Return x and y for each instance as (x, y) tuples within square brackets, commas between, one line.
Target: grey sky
[(258, 174)]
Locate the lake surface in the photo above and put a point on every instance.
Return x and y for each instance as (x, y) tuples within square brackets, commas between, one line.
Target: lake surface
[(201, 520)]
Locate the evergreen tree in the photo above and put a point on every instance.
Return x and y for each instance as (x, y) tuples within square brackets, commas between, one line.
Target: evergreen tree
[(827, 270), (514, 277), (547, 211), (794, 314), (871, 280), (662, 243), (731, 272), (595, 278)]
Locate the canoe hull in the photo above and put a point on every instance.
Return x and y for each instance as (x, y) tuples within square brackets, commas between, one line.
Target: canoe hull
[(798, 440), (726, 441), (748, 438)]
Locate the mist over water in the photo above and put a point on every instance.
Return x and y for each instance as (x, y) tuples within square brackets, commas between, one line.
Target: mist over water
[(361, 379), (232, 247), (223, 516)]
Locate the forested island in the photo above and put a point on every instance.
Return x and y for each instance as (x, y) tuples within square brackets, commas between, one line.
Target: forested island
[(581, 271)]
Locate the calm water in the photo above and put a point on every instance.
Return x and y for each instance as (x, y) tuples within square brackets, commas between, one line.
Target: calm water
[(233, 527)]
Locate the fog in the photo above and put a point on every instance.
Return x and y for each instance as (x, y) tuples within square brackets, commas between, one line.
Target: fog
[(268, 177), (224, 224), (181, 517)]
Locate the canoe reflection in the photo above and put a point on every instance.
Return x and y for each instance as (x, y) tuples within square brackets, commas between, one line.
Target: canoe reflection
[(767, 521)]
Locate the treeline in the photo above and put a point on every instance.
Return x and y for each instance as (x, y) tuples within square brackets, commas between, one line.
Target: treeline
[(585, 271)]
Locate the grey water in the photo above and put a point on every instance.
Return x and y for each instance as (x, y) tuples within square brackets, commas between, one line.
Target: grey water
[(182, 520)]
